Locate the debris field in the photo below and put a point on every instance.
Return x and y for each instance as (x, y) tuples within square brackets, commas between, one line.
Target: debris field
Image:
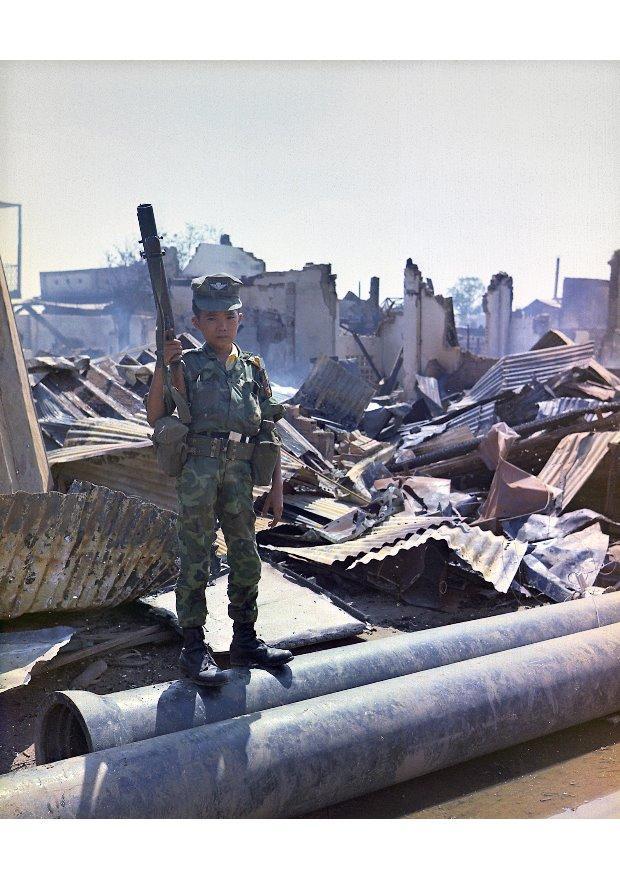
[(399, 514)]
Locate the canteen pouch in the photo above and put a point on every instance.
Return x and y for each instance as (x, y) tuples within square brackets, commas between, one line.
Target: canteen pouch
[(170, 441), (170, 432), (265, 456)]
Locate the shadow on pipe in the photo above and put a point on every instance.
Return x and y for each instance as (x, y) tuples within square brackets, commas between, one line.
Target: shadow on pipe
[(74, 722), (297, 758)]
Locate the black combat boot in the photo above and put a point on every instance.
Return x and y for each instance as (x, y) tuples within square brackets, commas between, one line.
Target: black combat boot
[(196, 660), (248, 651)]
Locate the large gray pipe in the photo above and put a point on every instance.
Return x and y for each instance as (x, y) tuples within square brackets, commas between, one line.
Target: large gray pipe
[(300, 757), (76, 722)]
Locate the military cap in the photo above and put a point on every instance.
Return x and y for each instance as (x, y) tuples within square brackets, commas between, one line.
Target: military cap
[(220, 291)]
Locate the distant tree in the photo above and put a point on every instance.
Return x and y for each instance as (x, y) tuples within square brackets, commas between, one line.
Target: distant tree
[(467, 299), (188, 241), (130, 288), (123, 256)]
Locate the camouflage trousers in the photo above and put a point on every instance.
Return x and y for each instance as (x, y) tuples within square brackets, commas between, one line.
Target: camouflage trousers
[(210, 490)]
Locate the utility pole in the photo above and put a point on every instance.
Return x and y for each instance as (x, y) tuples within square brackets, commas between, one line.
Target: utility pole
[(557, 276), (4, 205)]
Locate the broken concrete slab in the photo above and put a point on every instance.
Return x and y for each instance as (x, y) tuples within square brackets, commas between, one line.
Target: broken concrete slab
[(292, 612)]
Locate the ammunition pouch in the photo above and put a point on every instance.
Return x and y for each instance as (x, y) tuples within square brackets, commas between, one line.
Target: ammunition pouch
[(265, 454), (170, 441)]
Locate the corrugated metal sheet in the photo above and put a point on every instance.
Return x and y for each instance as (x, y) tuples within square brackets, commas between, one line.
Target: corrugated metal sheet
[(132, 468), (301, 448), (559, 406), (104, 430), (335, 391), (575, 459), (395, 528), (429, 387), (514, 371), (129, 469), (81, 550), (479, 419), (328, 509), (492, 556)]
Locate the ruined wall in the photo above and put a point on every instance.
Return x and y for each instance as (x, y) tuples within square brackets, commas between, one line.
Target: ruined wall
[(361, 315), (391, 336), (100, 285), (429, 331), (212, 258), (269, 313), (526, 329), (289, 317), (497, 305), (585, 304), (100, 334), (611, 342), (346, 347)]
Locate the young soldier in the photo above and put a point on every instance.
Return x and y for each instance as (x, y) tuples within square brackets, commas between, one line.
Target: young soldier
[(229, 398)]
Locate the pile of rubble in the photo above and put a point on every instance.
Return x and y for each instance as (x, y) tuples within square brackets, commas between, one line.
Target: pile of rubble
[(508, 487)]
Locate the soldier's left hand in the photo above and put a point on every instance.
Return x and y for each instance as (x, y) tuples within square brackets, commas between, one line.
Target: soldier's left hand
[(274, 504)]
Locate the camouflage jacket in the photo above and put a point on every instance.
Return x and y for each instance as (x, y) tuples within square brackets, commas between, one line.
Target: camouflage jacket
[(238, 399)]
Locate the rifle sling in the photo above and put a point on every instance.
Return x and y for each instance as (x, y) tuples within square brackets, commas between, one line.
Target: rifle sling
[(174, 398)]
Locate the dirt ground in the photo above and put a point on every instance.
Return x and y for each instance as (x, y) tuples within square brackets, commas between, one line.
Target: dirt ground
[(538, 779)]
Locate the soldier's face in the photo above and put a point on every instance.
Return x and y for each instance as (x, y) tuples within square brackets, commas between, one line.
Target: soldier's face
[(219, 328)]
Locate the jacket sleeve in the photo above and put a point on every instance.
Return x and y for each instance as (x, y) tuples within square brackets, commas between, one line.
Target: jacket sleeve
[(269, 407)]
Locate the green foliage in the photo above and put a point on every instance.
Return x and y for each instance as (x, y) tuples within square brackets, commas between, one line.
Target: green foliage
[(467, 295)]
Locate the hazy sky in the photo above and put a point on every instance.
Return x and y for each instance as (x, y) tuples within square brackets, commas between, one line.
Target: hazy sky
[(467, 167)]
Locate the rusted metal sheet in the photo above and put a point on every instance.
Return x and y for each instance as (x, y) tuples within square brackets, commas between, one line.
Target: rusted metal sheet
[(575, 459), (86, 549), (335, 391), (494, 557), (128, 468), (514, 371)]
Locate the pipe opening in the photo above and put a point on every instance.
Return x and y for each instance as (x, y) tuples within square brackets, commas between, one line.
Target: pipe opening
[(62, 734)]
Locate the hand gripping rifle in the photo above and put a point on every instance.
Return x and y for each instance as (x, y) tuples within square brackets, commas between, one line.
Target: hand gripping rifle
[(154, 256)]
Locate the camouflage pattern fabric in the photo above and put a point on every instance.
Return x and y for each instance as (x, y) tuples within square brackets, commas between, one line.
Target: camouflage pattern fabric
[(212, 489)]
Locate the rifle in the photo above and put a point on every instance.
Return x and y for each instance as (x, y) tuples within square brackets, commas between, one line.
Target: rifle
[(154, 257)]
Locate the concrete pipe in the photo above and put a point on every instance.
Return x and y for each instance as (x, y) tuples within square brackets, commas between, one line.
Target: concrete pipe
[(76, 722), (297, 758)]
